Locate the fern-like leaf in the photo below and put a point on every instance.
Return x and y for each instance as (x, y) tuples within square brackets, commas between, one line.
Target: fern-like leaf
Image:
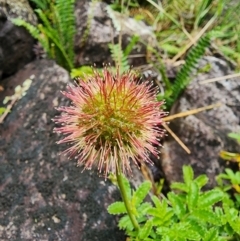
[(61, 52), (183, 76), (34, 31), (118, 56), (64, 11), (42, 4), (56, 33)]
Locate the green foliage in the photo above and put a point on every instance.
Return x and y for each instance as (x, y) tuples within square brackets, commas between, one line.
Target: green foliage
[(235, 136), (2, 110), (173, 91), (188, 213), (176, 20), (42, 4), (183, 76), (138, 207), (56, 33), (227, 31), (229, 181), (136, 198), (120, 5), (120, 56), (82, 71), (230, 156)]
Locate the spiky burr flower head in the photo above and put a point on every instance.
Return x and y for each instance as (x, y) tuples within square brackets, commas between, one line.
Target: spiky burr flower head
[(113, 119)]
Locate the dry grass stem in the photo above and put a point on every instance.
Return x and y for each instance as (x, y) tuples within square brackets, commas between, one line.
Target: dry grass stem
[(7, 110), (183, 114), (219, 78), (176, 138), (196, 38), (190, 112)]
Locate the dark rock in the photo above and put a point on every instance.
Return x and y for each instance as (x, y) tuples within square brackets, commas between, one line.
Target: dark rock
[(96, 29), (16, 44), (43, 195), (205, 133)]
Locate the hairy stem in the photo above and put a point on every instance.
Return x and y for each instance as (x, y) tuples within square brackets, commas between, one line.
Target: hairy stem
[(125, 198)]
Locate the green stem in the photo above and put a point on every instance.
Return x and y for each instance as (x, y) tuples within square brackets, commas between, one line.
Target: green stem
[(125, 198)]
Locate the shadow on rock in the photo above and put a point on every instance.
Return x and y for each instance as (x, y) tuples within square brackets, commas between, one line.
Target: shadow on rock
[(43, 195)]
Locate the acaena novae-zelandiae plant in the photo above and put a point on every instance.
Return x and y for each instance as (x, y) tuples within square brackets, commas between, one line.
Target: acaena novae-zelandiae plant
[(114, 119)]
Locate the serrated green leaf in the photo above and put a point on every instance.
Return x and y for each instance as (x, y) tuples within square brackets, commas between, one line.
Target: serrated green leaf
[(222, 175), (127, 186), (209, 198), (162, 214), (233, 177), (229, 229), (143, 208), (235, 136), (186, 231), (158, 203), (179, 231), (125, 223), (117, 208), (188, 174), (198, 227), (160, 219), (168, 216), (201, 180), (192, 196), (141, 193), (179, 186), (237, 196), (233, 218), (222, 219), (145, 230), (149, 239), (177, 204), (230, 173), (218, 211), (164, 231), (205, 215), (211, 235)]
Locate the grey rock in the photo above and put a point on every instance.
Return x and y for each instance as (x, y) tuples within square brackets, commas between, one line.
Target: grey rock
[(43, 195), (16, 44), (96, 29), (205, 133)]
